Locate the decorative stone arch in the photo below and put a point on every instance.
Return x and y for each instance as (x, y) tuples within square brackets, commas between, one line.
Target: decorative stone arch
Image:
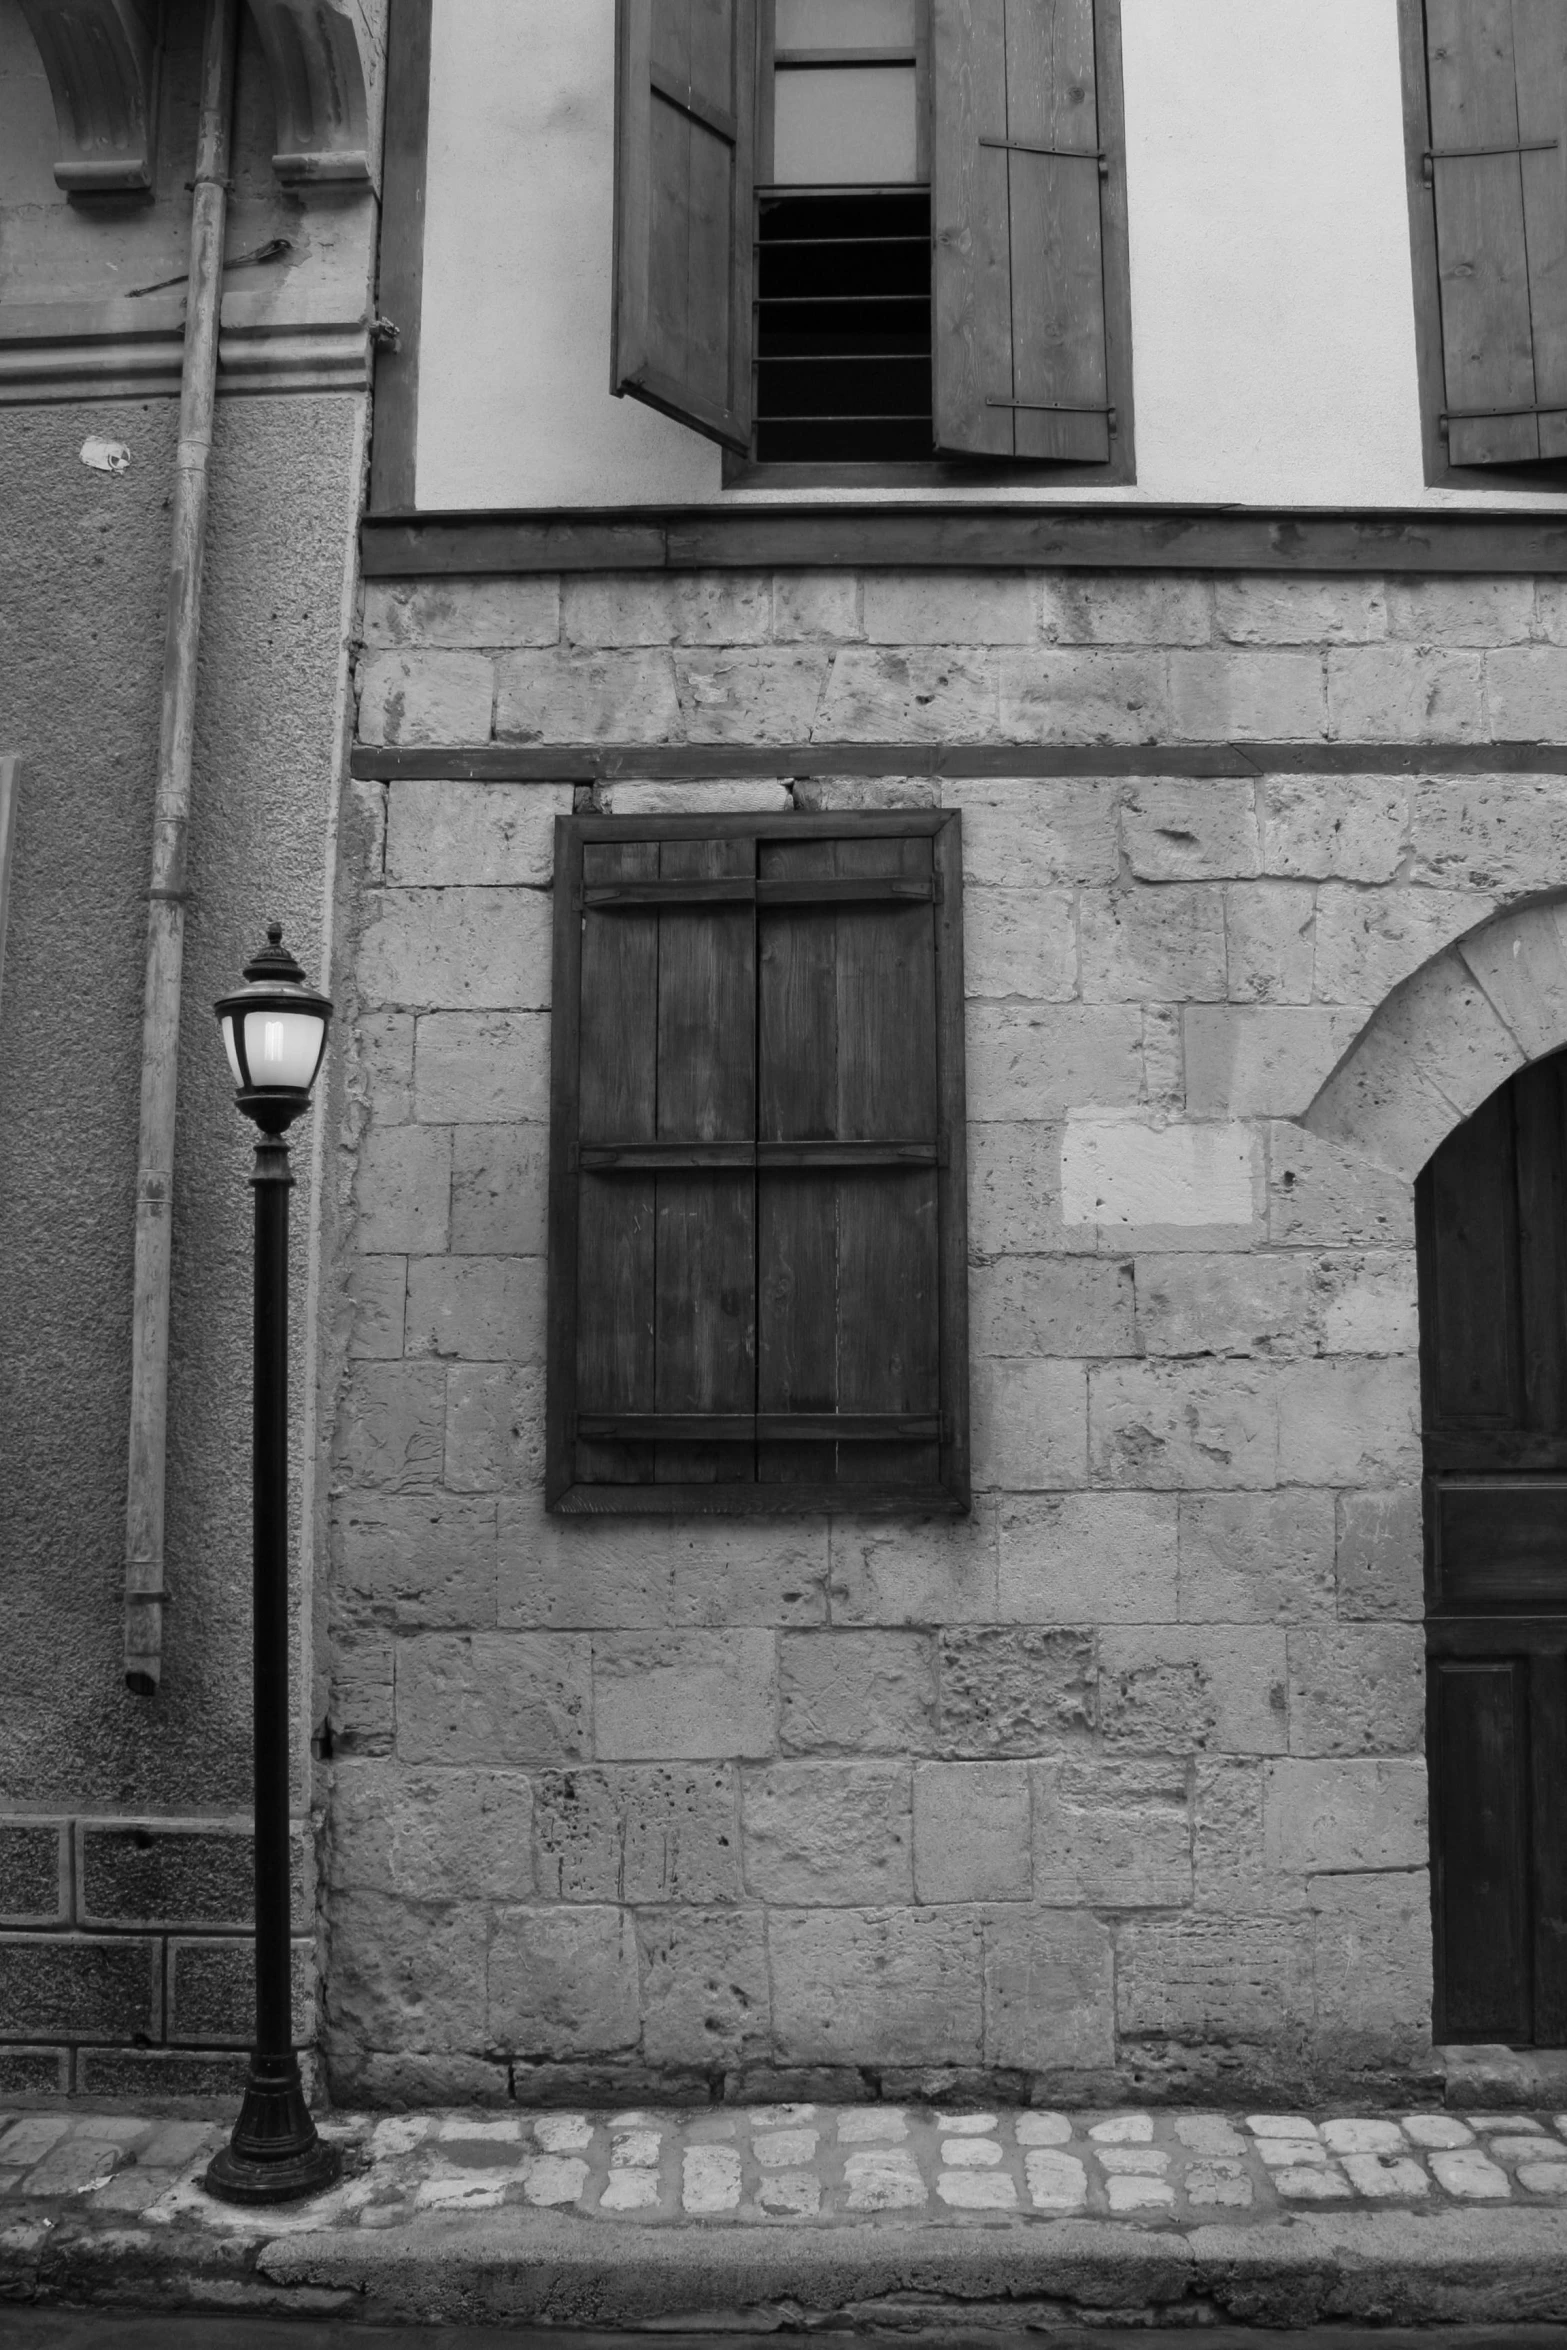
[(1444, 1041)]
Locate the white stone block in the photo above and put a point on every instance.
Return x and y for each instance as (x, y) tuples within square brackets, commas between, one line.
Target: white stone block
[(710, 2179), (968, 2190), (1056, 2182), (1119, 1172), (1467, 2173)]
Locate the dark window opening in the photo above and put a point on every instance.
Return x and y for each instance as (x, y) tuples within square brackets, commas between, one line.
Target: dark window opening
[(843, 341)]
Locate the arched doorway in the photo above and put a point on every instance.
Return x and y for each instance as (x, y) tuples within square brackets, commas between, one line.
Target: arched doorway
[(1491, 1222)]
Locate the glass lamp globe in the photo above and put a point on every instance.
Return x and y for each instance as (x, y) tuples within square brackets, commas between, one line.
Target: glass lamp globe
[(274, 1032)]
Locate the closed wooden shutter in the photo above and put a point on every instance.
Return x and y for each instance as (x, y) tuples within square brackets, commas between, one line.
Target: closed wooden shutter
[(1020, 356), (1497, 80), (758, 1269), (685, 132)]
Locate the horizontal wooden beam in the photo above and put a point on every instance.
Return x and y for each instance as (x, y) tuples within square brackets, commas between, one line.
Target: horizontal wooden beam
[(803, 762), (759, 1427), (643, 1158), (968, 537)]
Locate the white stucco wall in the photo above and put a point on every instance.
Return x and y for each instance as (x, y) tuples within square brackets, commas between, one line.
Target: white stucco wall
[(1272, 303)]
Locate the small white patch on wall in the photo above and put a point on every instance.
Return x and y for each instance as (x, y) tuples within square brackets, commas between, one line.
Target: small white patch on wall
[(105, 456), (1120, 1171)]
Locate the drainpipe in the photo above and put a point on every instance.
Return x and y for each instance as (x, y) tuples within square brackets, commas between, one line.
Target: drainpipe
[(144, 1587)]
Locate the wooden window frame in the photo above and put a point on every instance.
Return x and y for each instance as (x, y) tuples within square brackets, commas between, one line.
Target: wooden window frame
[(1440, 471), (563, 1493), (978, 473)]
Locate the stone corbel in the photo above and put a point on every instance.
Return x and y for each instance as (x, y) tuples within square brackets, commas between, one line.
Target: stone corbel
[(101, 57), (318, 88)]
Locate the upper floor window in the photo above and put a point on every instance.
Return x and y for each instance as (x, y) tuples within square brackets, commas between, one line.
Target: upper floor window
[(861, 234)]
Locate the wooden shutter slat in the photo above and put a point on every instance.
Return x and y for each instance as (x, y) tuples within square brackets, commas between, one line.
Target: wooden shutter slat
[(1479, 1715), (685, 134), (1540, 48)]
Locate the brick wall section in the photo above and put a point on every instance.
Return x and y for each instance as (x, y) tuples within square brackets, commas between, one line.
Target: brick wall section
[(125, 1966), (1115, 1787)]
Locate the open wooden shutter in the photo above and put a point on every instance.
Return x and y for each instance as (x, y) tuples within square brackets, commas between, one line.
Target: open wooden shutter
[(685, 121), (1497, 78), (1020, 357), (758, 1263)]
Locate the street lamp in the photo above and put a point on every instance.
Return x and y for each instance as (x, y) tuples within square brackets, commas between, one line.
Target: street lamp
[(274, 1032)]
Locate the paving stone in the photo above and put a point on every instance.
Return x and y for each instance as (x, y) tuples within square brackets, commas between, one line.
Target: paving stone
[(563, 2133), (965, 2125), (1218, 2183), (1209, 2133), (635, 2149), (1363, 2137), (1138, 2194), (1310, 2186), (1468, 2174), (710, 2179), (970, 2153), (1291, 2153), (854, 2127), (555, 2178), (476, 2191), (1123, 2129), (887, 2179), (969, 2190), (1385, 2177), (74, 2167), (1436, 2129), (1517, 2124), (1280, 2125), (510, 2127), (784, 2149), (29, 2140), (1514, 2149), (1043, 2129), (1543, 2178), (794, 2194), (1133, 2161), (1056, 2182), (630, 2190)]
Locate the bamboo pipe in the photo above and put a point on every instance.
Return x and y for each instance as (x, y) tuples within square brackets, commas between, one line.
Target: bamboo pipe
[(144, 1565)]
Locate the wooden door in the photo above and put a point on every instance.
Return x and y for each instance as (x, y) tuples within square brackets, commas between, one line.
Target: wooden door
[(1491, 1212)]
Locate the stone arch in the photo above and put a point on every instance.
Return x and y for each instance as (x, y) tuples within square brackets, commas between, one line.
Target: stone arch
[(1445, 1039)]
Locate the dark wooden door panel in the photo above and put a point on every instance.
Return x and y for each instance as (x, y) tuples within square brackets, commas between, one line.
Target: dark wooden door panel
[(1479, 1788), (1548, 1844), (1499, 1543), (1473, 1366)]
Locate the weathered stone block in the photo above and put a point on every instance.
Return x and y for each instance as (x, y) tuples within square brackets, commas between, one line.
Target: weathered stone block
[(1014, 1187), (478, 1068), (938, 696), (1073, 1306), (1321, 1192), (692, 608), (1351, 1815), (212, 1992), (1049, 1991), (1112, 1835), (565, 697), (1219, 1979), (649, 1834), (1351, 1422), (833, 1834), (494, 1427), (1030, 1424), (1257, 1558), (1333, 827), (563, 1982), (919, 1571), (691, 1696), (1028, 835), (494, 1698), (1267, 608), (1405, 693), (36, 2072), (476, 1309), (1163, 1077), (418, 1562), (377, 1289), (1521, 963), (856, 1692), (1059, 696), (1035, 1061), (391, 1427), (1526, 694), (1015, 1690), (1254, 1304), (706, 1999), (770, 695), (948, 608), (1125, 608), (464, 612), (1088, 1558), (815, 604), (1161, 943), (1019, 942), (1379, 1564), (694, 796), (403, 1193), (906, 1982), (416, 697), (1232, 1871), (1358, 1689), (1436, 1051), (361, 1709), (1494, 833), (1229, 697), (448, 835), (1373, 1967), (500, 1191), (1163, 1184), (35, 1873), (1461, 611), (148, 2078), (180, 1873), (449, 1834), (824, 794), (1370, 940), (1182, 1424), (971, 1832), (80, 1987), (1269, 930), (658, 1574), (462, 950), (1180, 828), (1181, 1689), (1245, 1063), (380, 1070)]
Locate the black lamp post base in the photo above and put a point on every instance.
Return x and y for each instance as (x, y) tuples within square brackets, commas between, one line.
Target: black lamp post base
[(275, 2154)]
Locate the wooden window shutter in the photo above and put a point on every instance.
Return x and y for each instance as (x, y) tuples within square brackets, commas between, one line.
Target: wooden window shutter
[(685, 121), (1020, 356), (757, 1249), (1497, 84)]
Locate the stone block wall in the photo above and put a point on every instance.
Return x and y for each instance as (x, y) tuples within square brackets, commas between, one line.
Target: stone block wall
[(1116, 1786), (126, 1960)]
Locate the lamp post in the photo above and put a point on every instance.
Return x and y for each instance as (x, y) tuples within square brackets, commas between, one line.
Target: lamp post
[(274, 1032)]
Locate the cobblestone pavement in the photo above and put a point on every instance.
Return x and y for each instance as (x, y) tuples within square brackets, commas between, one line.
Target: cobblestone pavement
[(800, 2166)]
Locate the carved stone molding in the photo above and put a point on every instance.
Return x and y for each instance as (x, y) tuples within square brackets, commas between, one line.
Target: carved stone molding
[(318, 87), (101, 57)]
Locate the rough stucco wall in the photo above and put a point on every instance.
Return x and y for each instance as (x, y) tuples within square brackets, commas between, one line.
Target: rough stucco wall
[(82, 568), (1116, 1788)]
